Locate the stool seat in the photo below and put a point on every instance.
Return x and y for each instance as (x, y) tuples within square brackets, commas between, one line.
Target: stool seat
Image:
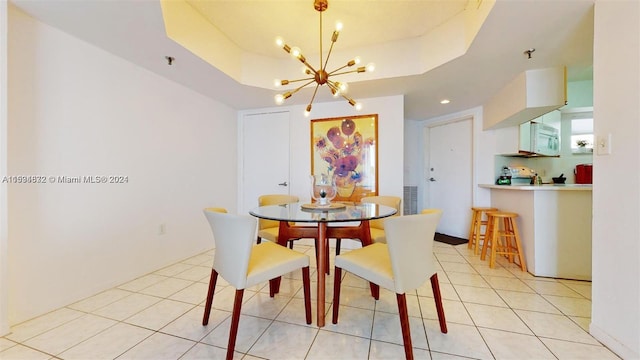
[(502, 214), (503, 240), (475, 229)]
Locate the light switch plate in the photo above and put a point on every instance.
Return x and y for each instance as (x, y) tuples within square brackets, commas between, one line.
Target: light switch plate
[(603, 144)]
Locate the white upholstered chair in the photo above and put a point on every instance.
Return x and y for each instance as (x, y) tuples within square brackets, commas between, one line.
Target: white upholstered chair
[(268, 229), (243, 264), (401, 265), (377, 226)]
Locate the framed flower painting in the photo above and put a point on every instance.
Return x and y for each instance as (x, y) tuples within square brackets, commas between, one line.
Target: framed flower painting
[(346, 149)]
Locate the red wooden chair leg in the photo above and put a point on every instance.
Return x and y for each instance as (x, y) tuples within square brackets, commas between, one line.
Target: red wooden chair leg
[(212, 287), (437, 296), (375, 290), (235, 319), (306, 284), (404, 324), (326, 262), (273, 287), (337, 274)]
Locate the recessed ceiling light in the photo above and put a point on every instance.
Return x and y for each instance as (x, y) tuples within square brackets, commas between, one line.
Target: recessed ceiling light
[(445, 101)]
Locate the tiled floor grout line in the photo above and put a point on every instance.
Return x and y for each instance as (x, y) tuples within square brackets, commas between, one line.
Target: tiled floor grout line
[(504, 281), (510, 308), (274, 320), (467, 310), (522, 320)]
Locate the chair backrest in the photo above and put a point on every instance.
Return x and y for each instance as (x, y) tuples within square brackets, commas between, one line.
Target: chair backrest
[(392, 201), (216, 209), (410, 244), (430, 211), (234, 236), (274, 199)]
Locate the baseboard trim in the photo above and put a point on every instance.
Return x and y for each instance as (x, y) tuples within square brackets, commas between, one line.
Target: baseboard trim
[(614, 345)]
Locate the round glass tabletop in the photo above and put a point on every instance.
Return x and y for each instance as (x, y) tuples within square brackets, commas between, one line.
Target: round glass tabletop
[(300, 212)]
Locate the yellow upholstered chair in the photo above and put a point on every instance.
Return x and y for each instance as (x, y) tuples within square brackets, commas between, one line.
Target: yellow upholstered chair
[(430, 211), (216, 209), (268, 229), (243, 264), (401, 265), (377, 226)]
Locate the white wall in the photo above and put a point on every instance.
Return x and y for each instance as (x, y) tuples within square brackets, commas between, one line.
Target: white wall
[(413, 154), (390, 140), (4, 276), (615, 319), (76, 110)]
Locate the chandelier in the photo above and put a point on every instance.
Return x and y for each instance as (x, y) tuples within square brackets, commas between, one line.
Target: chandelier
[(320, 76)]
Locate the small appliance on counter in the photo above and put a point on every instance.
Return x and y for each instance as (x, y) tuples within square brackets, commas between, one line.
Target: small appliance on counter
[(522, 175), (584, 173), (505, 177)]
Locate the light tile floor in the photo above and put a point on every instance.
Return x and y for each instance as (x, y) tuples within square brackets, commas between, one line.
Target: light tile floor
[(499, 313)]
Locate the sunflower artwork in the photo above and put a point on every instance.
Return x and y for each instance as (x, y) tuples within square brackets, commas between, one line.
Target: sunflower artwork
[(346, 149)]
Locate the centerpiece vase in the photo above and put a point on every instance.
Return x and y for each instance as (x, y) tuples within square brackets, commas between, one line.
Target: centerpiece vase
[(323, 189), (345, 186)]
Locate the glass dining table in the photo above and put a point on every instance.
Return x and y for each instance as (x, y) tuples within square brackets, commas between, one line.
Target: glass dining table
[(336, 214)]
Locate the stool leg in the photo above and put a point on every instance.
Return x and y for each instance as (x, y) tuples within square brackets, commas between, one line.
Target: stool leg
[(487, 237), (508, 235), (495, 232), (512, 243), (472, 229), (479, 235), (516, 234)]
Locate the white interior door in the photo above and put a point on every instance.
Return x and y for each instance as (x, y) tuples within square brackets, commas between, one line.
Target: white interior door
[(449, 175), (265, 156)]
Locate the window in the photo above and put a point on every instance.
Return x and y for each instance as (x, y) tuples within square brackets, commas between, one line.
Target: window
[(581, 132)]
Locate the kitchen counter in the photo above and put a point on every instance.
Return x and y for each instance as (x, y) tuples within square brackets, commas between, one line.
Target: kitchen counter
[(544, 187), (555, 226)]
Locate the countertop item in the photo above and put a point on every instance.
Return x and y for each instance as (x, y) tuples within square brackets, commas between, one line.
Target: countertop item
[(560, 179), (543, 187)]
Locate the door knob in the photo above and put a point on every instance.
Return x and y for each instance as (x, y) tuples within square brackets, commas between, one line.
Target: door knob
[(432, 179), (283, 184)]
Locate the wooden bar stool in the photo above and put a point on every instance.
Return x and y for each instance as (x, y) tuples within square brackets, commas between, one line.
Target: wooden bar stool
[(475, 230), (503, 241)]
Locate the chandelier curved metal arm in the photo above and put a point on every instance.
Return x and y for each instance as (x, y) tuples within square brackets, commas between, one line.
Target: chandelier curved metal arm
[(320, 76)]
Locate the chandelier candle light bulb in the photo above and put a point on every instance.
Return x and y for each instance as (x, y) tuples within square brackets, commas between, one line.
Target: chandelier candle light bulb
[(320, 76)]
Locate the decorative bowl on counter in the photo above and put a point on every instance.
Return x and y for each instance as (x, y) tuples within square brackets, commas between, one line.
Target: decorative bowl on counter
[(559, 180)]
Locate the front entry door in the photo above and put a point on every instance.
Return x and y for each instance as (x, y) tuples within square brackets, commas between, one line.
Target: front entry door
[(449, 175), (265, 152)]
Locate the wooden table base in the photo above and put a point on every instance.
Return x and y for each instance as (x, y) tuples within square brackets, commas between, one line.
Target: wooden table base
[(322, 233)]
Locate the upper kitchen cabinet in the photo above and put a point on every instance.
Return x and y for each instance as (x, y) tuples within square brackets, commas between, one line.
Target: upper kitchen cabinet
[(530, 95)]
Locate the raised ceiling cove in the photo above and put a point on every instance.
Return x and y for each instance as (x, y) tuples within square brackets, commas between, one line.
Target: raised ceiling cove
[(424, 50), (400, 43)]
